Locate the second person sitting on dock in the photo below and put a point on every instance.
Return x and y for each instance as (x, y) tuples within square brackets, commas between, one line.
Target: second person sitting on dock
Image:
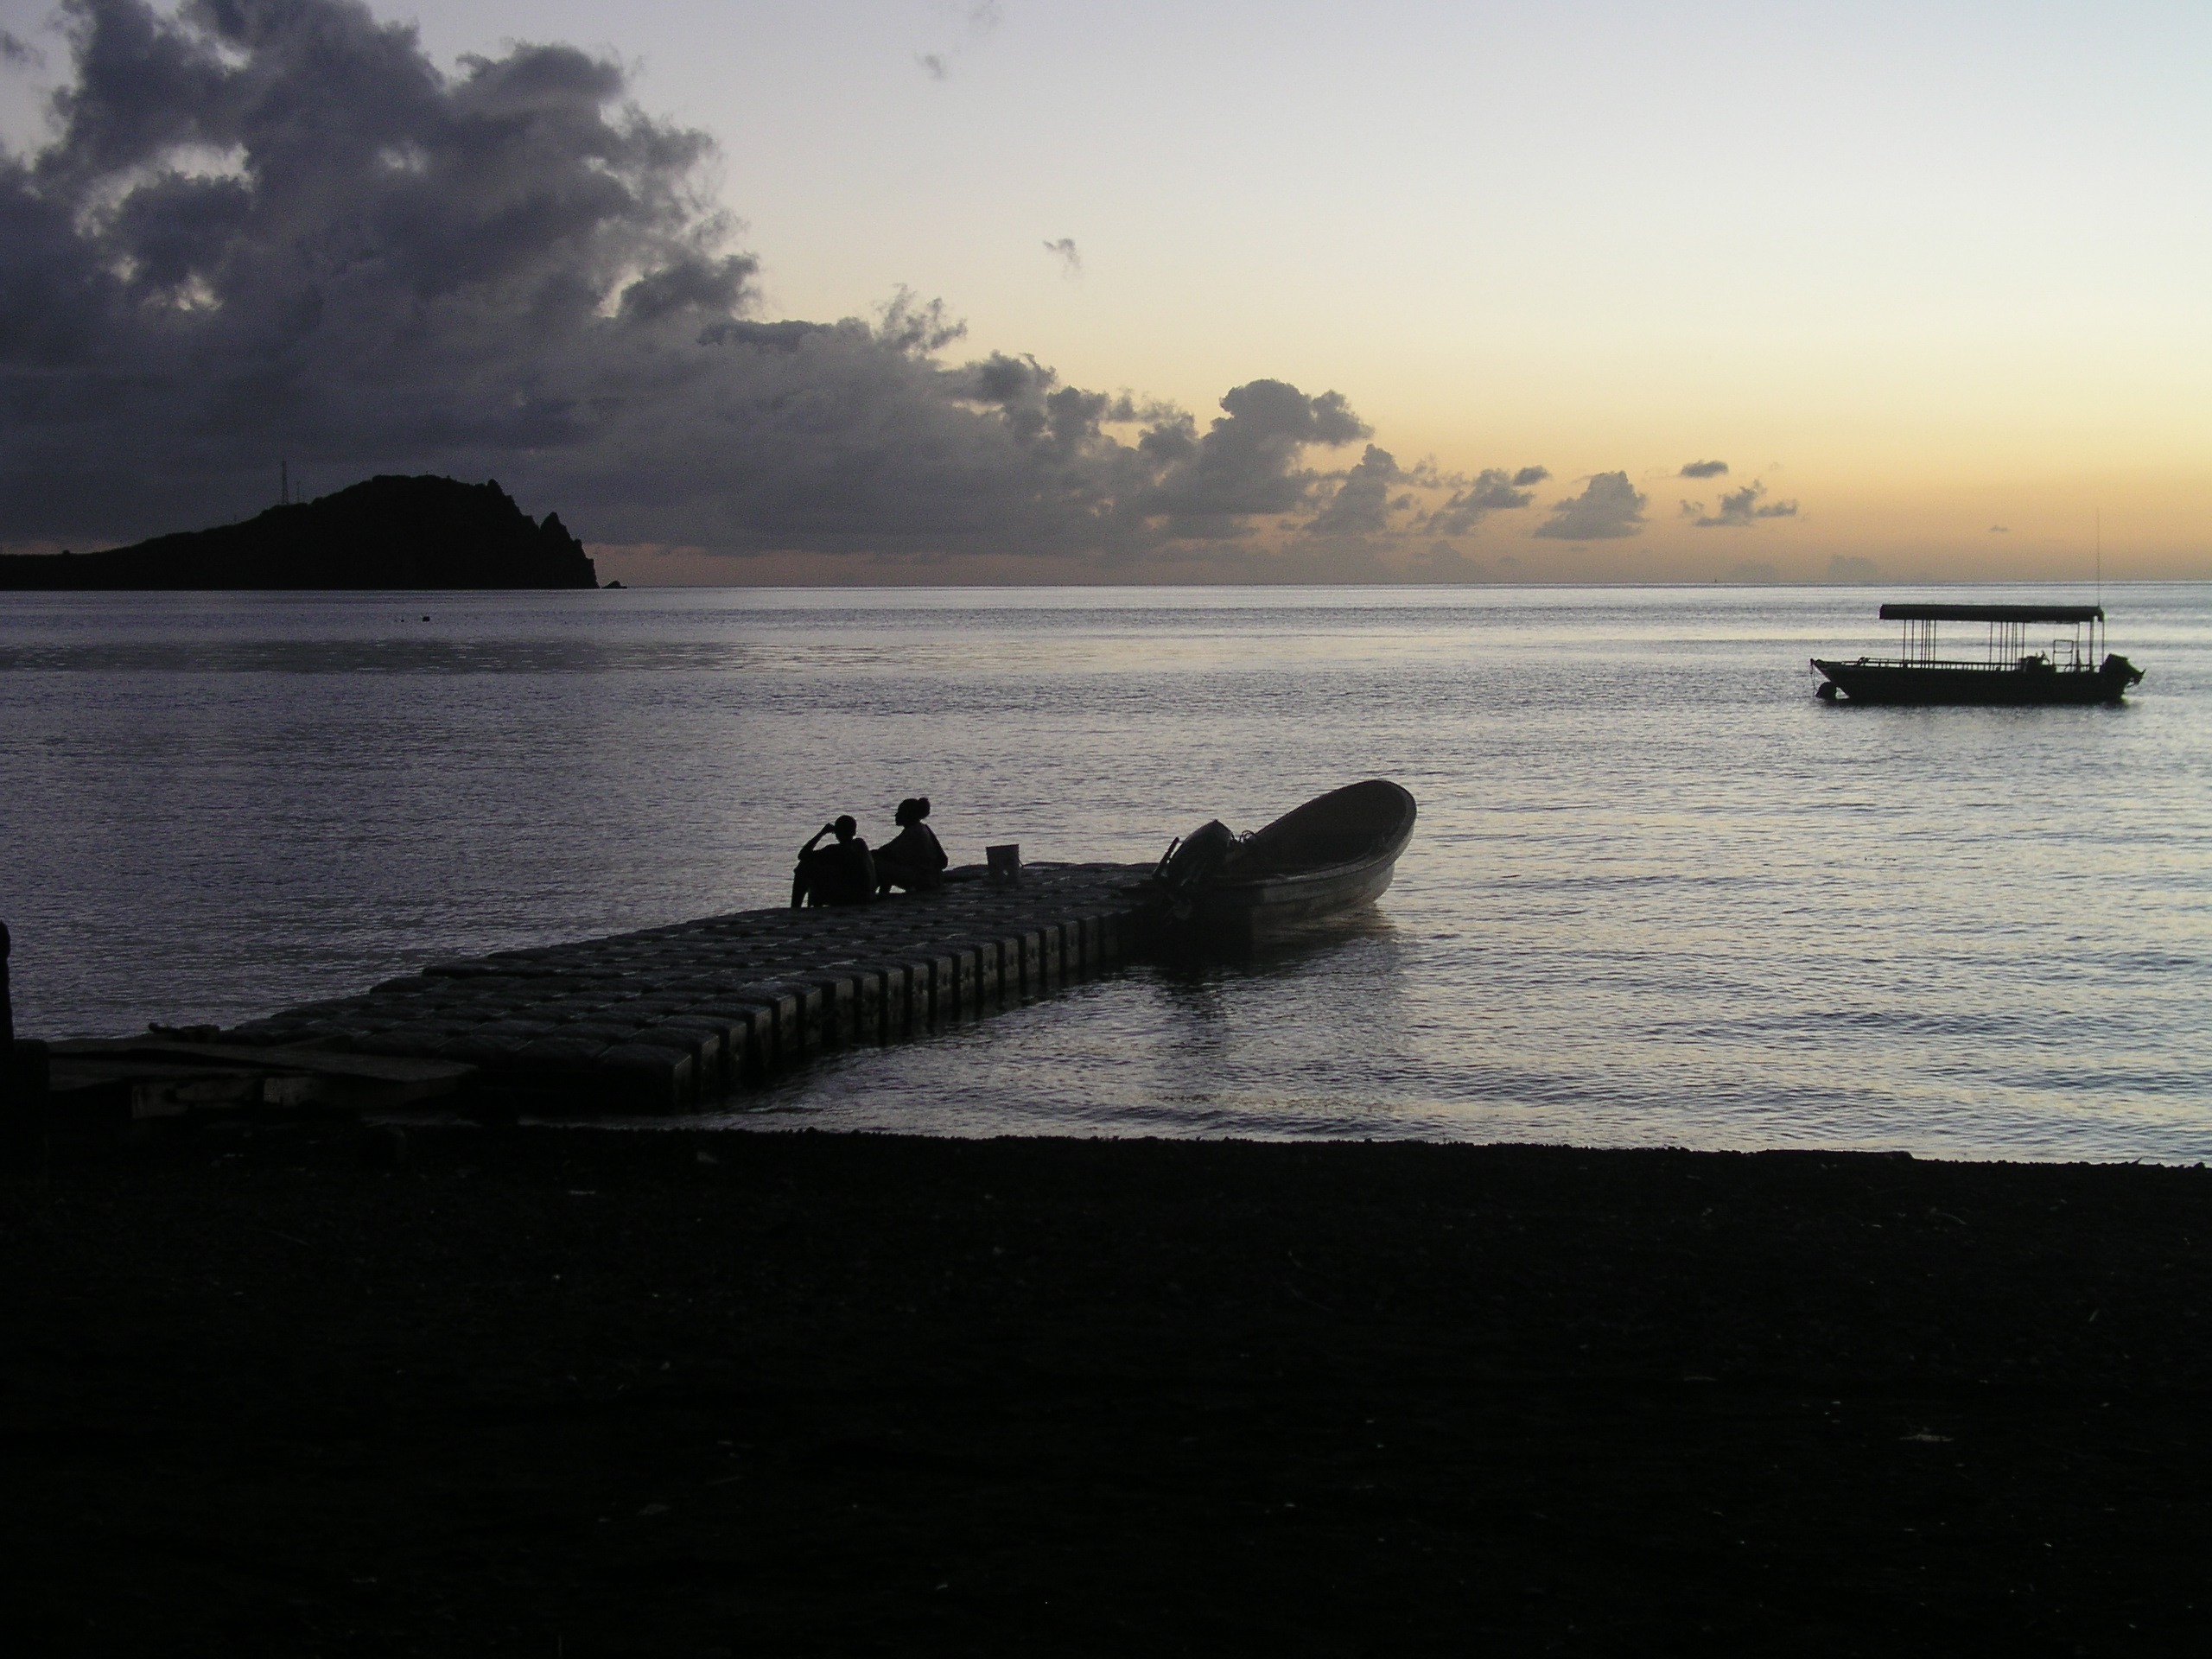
[(912, 859), (842, 875)]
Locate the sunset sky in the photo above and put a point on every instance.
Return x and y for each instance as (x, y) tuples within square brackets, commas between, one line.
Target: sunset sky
[(1917, 272)]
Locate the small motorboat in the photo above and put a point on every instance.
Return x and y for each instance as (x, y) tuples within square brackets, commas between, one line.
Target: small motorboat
[(1334, 853)]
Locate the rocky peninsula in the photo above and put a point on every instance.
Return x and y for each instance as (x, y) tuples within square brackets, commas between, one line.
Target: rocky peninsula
[(391, 532)]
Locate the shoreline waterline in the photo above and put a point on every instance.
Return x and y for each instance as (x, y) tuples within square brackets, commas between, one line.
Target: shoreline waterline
[(1657, 892)]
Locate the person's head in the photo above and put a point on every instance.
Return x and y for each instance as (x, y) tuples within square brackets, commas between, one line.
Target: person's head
[(909, 811), (921, 807), (845, 826)]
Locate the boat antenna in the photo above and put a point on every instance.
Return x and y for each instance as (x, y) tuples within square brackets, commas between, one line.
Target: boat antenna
[(2101, 556)]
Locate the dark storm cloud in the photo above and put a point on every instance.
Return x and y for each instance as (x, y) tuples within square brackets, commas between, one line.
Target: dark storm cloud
[(1739, 509), (1363, 505), (1608, 508), (1248, 459), (1703, 469), (16, 50), (1491, 491), (273, 228)]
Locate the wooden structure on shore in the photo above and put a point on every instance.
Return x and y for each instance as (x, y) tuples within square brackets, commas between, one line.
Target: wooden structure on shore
[(688, 1015), (685, 1015)]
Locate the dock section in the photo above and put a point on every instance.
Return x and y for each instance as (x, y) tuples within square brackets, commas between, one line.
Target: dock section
[(685, 1015)]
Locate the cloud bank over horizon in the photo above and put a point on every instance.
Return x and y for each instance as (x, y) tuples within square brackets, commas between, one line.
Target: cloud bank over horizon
[(267, 230), (1738, 509), (1609, 507), (264, 230)]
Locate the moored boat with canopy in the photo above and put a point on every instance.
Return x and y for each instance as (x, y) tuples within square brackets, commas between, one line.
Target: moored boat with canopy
[(2016, 666)]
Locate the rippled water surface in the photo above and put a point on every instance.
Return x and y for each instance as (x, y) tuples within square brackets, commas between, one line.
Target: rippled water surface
[(1658, 893)]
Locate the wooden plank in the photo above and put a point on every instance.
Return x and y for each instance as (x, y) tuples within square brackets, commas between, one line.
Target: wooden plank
[(656, 1019), (320, 1062)]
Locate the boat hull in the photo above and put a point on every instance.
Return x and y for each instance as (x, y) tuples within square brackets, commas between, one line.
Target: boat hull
[(1900, 684), (1252, 912), (1235, 908)]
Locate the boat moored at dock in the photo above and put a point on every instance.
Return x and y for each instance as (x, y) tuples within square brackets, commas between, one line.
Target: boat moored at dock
[(2014, 668), (1335, 853)]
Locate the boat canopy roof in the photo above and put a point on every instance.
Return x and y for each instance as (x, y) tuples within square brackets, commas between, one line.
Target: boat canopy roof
[(1992, 613)]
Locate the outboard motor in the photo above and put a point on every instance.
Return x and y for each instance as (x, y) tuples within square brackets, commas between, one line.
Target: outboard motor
[(1190, 865)]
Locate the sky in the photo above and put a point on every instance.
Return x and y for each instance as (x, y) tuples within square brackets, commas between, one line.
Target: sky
[(868, 290)]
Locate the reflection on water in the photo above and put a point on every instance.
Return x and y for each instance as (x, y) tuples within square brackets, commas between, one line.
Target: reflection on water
[(1163, 1048), (1658, 893)]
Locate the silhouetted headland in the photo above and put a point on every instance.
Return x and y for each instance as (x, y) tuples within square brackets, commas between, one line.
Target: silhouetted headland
[(390, 532)]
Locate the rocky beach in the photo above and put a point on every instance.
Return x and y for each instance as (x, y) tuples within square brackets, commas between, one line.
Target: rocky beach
[(321, 1390)]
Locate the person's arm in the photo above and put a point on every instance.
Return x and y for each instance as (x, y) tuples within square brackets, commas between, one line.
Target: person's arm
[(826, 829)]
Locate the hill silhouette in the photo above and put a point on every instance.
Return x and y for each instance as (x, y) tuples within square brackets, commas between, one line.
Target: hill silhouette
[(390, 532)]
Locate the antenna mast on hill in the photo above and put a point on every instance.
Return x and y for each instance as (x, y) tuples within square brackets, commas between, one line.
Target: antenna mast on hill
[(283, 483)]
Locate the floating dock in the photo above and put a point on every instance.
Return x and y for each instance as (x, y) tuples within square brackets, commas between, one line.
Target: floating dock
[(686, 1015)]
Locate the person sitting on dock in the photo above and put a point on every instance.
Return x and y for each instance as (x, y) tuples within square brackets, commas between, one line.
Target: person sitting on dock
[(912, 859), (842, 875)]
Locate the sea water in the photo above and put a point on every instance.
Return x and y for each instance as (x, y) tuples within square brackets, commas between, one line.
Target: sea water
[(1658, 893)]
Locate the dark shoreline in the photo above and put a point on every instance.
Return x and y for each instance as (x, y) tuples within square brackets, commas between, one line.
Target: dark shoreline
[(680, 1393)]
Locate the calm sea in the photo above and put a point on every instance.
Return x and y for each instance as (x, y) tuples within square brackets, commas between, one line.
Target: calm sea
[(1658, 893)]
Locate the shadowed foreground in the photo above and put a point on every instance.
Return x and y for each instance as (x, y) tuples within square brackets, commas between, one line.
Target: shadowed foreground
[(581, 1392)]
